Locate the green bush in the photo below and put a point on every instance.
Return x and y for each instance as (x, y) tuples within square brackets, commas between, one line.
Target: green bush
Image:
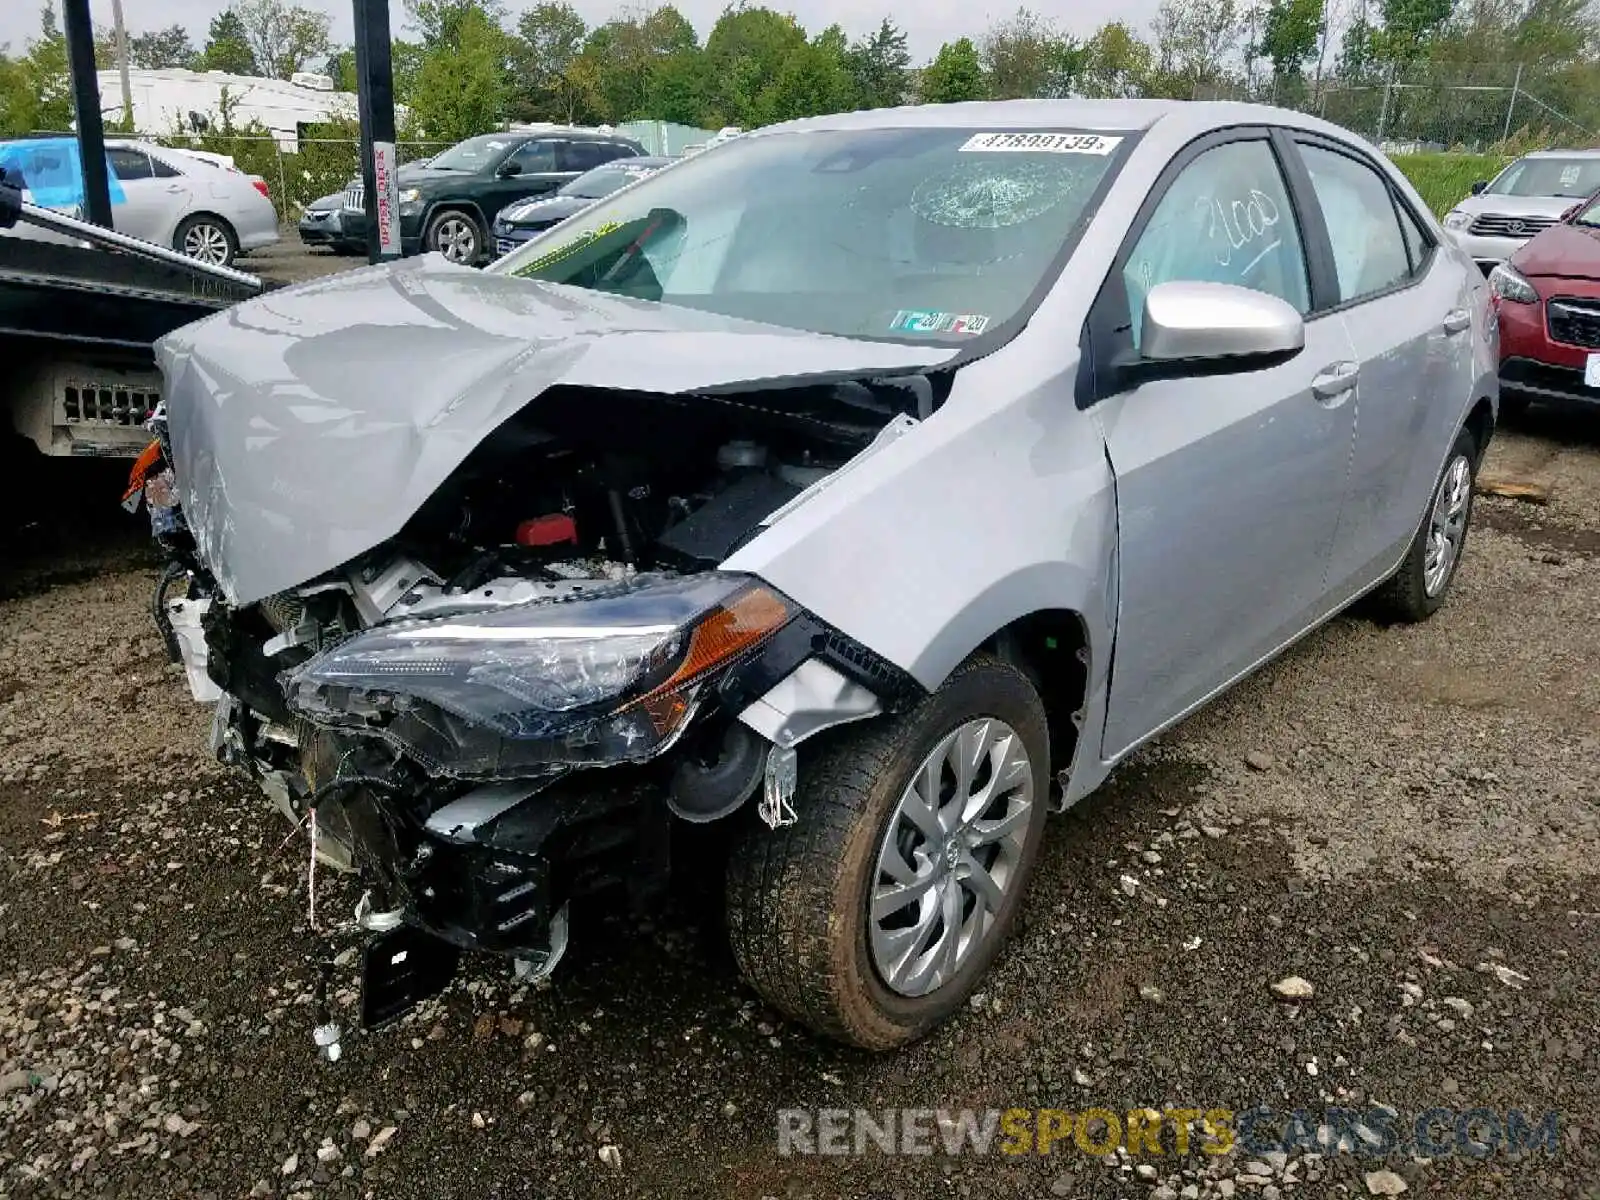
[(1444, 179)]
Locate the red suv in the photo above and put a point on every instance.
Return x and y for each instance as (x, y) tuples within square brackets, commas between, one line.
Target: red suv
[(1548, 298)]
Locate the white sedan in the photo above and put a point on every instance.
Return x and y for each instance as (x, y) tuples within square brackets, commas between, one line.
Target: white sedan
[(205, 210)]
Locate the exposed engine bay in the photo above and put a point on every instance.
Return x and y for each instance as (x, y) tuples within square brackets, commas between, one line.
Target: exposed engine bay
[(444, 703)]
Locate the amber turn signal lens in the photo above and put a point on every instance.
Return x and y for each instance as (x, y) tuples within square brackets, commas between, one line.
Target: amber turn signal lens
[(742, 623)]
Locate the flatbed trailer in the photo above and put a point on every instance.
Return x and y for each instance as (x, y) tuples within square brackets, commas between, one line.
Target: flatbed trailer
[(78, 322)]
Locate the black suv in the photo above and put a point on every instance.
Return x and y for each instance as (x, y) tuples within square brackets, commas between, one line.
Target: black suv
[(449, 202)]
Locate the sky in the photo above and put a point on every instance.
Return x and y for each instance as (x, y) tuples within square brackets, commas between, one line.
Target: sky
[(928, 25)]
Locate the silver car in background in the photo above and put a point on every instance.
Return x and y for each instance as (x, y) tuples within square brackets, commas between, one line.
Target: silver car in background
[(188, 200), (872, 486), (1525, 199)]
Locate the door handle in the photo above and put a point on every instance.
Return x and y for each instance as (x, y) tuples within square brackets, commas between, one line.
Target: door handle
[(1335, 381), (1457, 321)]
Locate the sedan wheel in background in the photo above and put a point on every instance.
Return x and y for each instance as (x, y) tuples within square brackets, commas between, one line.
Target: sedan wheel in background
[(875, 915), (206, 239)]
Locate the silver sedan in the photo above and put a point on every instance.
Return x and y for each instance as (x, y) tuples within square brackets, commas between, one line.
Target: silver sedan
[(876, 483)]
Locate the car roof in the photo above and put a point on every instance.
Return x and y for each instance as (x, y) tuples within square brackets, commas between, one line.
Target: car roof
[(576, 132), (1563, 154), (999, 114), (1185, 117)]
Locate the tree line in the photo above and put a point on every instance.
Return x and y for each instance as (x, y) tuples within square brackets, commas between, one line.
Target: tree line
[(465, 66)]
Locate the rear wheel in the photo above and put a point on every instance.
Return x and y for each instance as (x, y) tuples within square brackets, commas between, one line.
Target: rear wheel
[(874, 917), (206, 239), (1418, 589)]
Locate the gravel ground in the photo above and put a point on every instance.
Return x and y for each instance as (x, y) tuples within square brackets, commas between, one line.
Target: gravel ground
[(1404, 818), (291, 261)]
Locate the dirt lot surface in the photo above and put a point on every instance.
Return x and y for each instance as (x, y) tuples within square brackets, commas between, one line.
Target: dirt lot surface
[(290, 261), (1405, 818)]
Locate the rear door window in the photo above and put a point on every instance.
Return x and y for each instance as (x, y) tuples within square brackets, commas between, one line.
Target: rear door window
[(537, 158), (1369, 247), (129, 164), (584, 156)]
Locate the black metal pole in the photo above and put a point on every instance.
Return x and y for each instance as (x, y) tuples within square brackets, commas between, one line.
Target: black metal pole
[(375, 103), (86, 99)]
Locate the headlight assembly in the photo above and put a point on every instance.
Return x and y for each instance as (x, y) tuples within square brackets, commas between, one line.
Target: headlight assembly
[(410, 195), (1508, 283), (616, 675), (1457, 220)]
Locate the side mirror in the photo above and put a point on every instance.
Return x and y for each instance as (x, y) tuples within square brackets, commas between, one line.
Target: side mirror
[(1479, 186), (507, 169), (1192, 328)]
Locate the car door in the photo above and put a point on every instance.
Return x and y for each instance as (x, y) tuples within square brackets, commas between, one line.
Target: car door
[(152, 206), (1228, 485), (535, 170), (1404, 307)]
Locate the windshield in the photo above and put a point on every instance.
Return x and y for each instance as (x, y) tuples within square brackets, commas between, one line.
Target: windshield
[(602, 181), (1575, 177), (1589, 214), (474, 154), (882, 233)]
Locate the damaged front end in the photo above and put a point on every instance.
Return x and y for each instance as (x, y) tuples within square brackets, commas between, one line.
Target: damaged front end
[(502, 710)]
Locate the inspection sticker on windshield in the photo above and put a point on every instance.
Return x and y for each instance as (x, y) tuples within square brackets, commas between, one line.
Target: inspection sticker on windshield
[(1040, 143), (923, 320)]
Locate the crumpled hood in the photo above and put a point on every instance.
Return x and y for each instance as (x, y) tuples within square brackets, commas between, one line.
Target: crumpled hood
[(1562, 251), (308, 425)]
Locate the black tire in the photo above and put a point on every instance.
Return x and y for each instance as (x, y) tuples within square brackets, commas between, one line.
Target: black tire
[(1405, 597), (797, 896), (206, 238), (445, 233)]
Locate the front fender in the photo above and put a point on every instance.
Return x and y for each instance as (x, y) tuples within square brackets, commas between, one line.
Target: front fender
[(999, 505)]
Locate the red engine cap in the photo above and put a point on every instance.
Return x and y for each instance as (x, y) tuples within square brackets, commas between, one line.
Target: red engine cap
[(553, 530)]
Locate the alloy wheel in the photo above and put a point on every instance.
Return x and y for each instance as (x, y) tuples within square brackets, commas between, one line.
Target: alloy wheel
[(457, 239), (206, 243), (950, 853), (1447, 525)]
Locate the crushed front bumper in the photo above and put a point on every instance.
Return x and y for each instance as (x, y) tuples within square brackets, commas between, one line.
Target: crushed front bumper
[(496, 883)]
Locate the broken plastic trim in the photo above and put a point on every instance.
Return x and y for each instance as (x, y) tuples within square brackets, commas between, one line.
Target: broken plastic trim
[(782, 781), (811, 698)]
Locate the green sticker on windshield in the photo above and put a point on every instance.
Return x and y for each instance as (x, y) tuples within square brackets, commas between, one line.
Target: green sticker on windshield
[(925, 320)]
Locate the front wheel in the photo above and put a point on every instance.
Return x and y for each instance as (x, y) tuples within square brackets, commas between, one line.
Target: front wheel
[(455, 235), (874, 917), (1417, 590)]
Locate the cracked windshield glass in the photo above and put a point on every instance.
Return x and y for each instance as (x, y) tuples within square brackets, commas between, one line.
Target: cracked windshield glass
[(937, 234)]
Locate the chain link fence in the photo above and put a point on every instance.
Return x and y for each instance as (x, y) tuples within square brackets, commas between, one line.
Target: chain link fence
[(1476, 108)]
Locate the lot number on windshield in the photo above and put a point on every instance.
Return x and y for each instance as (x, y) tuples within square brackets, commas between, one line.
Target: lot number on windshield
[(1041, 143)]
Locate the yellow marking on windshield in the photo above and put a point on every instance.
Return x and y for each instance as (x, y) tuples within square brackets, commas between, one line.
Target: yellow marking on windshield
[(571, 248)]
